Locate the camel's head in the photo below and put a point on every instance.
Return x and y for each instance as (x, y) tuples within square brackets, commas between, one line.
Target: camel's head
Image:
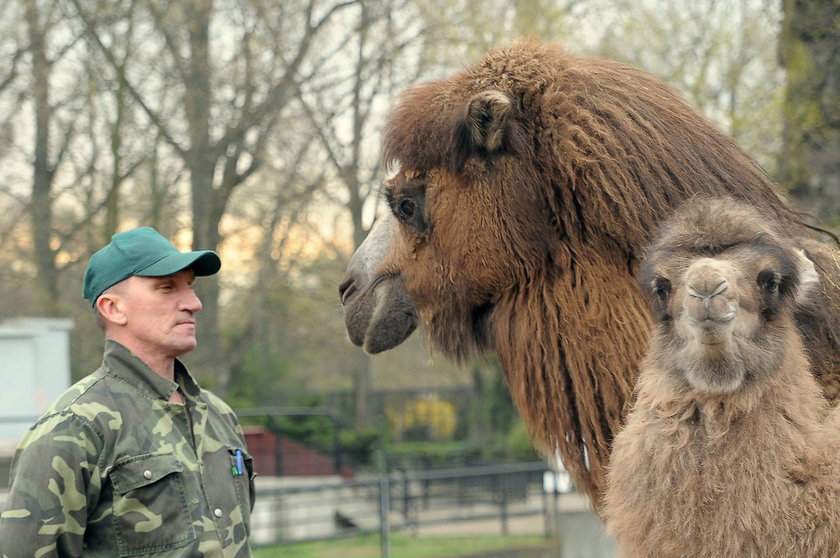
[(723, 284), (467, 222)]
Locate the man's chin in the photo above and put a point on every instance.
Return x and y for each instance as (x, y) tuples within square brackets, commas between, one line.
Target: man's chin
[(184, 347)]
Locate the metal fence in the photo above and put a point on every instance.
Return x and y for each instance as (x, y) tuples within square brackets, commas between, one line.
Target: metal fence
[(501, 499), (520, 498)]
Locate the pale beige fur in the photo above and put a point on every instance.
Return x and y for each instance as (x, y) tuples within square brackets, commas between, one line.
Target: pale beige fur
[(730, 449)]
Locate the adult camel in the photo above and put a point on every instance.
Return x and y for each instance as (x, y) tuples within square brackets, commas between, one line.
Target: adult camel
[(526, 188)]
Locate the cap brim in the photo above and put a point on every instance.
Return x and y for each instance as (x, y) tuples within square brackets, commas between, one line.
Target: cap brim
[(202, 262)]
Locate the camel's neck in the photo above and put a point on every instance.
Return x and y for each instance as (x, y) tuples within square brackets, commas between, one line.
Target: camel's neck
[(789, 403), (570, 347)]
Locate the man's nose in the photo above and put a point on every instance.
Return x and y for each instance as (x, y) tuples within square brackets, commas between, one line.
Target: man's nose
[(191, 302)]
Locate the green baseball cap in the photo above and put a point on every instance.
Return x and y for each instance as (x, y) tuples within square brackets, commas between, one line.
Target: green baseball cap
[(143, 252)]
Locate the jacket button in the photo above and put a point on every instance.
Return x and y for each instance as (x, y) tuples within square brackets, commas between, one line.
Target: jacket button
[(217, 512), (147, 474)]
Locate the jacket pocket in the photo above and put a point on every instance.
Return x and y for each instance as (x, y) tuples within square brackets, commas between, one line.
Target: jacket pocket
[(150, 509), (242, 469)]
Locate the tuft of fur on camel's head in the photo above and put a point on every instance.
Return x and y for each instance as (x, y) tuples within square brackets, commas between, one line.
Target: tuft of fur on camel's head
[(526, 187), (729, 449)]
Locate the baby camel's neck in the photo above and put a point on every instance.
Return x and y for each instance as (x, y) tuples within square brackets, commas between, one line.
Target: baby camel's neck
[(789, 402)]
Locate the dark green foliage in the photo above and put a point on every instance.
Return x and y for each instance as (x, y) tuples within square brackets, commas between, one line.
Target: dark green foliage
[(310, 424), (499, 411), (259, 378)]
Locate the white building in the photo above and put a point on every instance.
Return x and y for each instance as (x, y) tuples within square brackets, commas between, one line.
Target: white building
[(34, 371)]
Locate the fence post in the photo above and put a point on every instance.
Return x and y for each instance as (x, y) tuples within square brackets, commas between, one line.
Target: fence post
[(546, 520), (500, 495), (336, 445), (384, 506), (504, 512), (406, 488)]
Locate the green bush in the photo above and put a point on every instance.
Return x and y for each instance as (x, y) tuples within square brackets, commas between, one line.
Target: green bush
[(518, 445), (431, 455), (426, 418)]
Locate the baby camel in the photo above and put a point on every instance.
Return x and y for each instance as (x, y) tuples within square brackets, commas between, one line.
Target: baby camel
[(729, 450)]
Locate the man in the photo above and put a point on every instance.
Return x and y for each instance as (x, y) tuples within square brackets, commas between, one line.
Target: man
[(136, 458)]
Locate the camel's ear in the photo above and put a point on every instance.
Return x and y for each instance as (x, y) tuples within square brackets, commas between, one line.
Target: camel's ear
[(808, 277), (487, 126), (487, 114)]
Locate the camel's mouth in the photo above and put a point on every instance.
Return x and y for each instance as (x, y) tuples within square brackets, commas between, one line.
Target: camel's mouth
[(378, 316), (711, 332), (709, 316), (711, 324)]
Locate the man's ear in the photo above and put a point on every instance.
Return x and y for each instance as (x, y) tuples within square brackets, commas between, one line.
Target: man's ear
[(110, 308)]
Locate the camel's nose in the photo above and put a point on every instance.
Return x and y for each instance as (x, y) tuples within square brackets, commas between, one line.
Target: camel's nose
[(710, 300), (705, 291)]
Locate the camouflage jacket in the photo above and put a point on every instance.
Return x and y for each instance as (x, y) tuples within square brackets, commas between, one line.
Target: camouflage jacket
[(113, 469)]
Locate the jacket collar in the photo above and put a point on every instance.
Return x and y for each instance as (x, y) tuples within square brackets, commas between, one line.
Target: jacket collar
[(120, 362)]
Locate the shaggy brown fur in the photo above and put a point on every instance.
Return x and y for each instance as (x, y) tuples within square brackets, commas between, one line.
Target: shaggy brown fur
[(726, 451), (528, 185)]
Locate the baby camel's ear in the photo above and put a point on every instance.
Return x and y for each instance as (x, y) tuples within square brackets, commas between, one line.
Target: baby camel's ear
[(808, 277)]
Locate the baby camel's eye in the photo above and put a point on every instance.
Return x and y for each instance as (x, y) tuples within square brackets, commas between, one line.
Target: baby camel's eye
[(661, 288)]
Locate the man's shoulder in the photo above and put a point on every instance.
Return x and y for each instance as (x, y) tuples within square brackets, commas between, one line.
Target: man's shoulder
[(91, 399), (72, 414), (81, 392)]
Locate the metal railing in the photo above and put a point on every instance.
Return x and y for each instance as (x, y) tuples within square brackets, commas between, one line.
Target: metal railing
[(490, 497)]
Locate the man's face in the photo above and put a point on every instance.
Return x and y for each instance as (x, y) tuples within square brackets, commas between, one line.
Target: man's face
[(160, 314)]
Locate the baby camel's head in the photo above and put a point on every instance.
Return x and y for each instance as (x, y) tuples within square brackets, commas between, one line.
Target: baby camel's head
[(723, 284)]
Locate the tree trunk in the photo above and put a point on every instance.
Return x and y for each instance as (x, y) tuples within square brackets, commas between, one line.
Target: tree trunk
[(42, 176), (809, 48), (210, 357)]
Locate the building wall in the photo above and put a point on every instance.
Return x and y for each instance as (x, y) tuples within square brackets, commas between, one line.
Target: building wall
[(34, 371)]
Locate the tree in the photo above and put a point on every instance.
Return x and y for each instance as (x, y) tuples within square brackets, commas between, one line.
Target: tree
[(714, 52), (455, 31), (53, 135), (809, 48), (232, 67), (343, 107)]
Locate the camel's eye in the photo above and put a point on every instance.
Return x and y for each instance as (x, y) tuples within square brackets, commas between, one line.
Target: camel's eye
[(406, 208), (406, 196), (769, 281), (661, 288)]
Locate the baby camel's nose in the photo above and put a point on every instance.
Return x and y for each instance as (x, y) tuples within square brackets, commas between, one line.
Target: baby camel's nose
[(709, 300), (705, 292)]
